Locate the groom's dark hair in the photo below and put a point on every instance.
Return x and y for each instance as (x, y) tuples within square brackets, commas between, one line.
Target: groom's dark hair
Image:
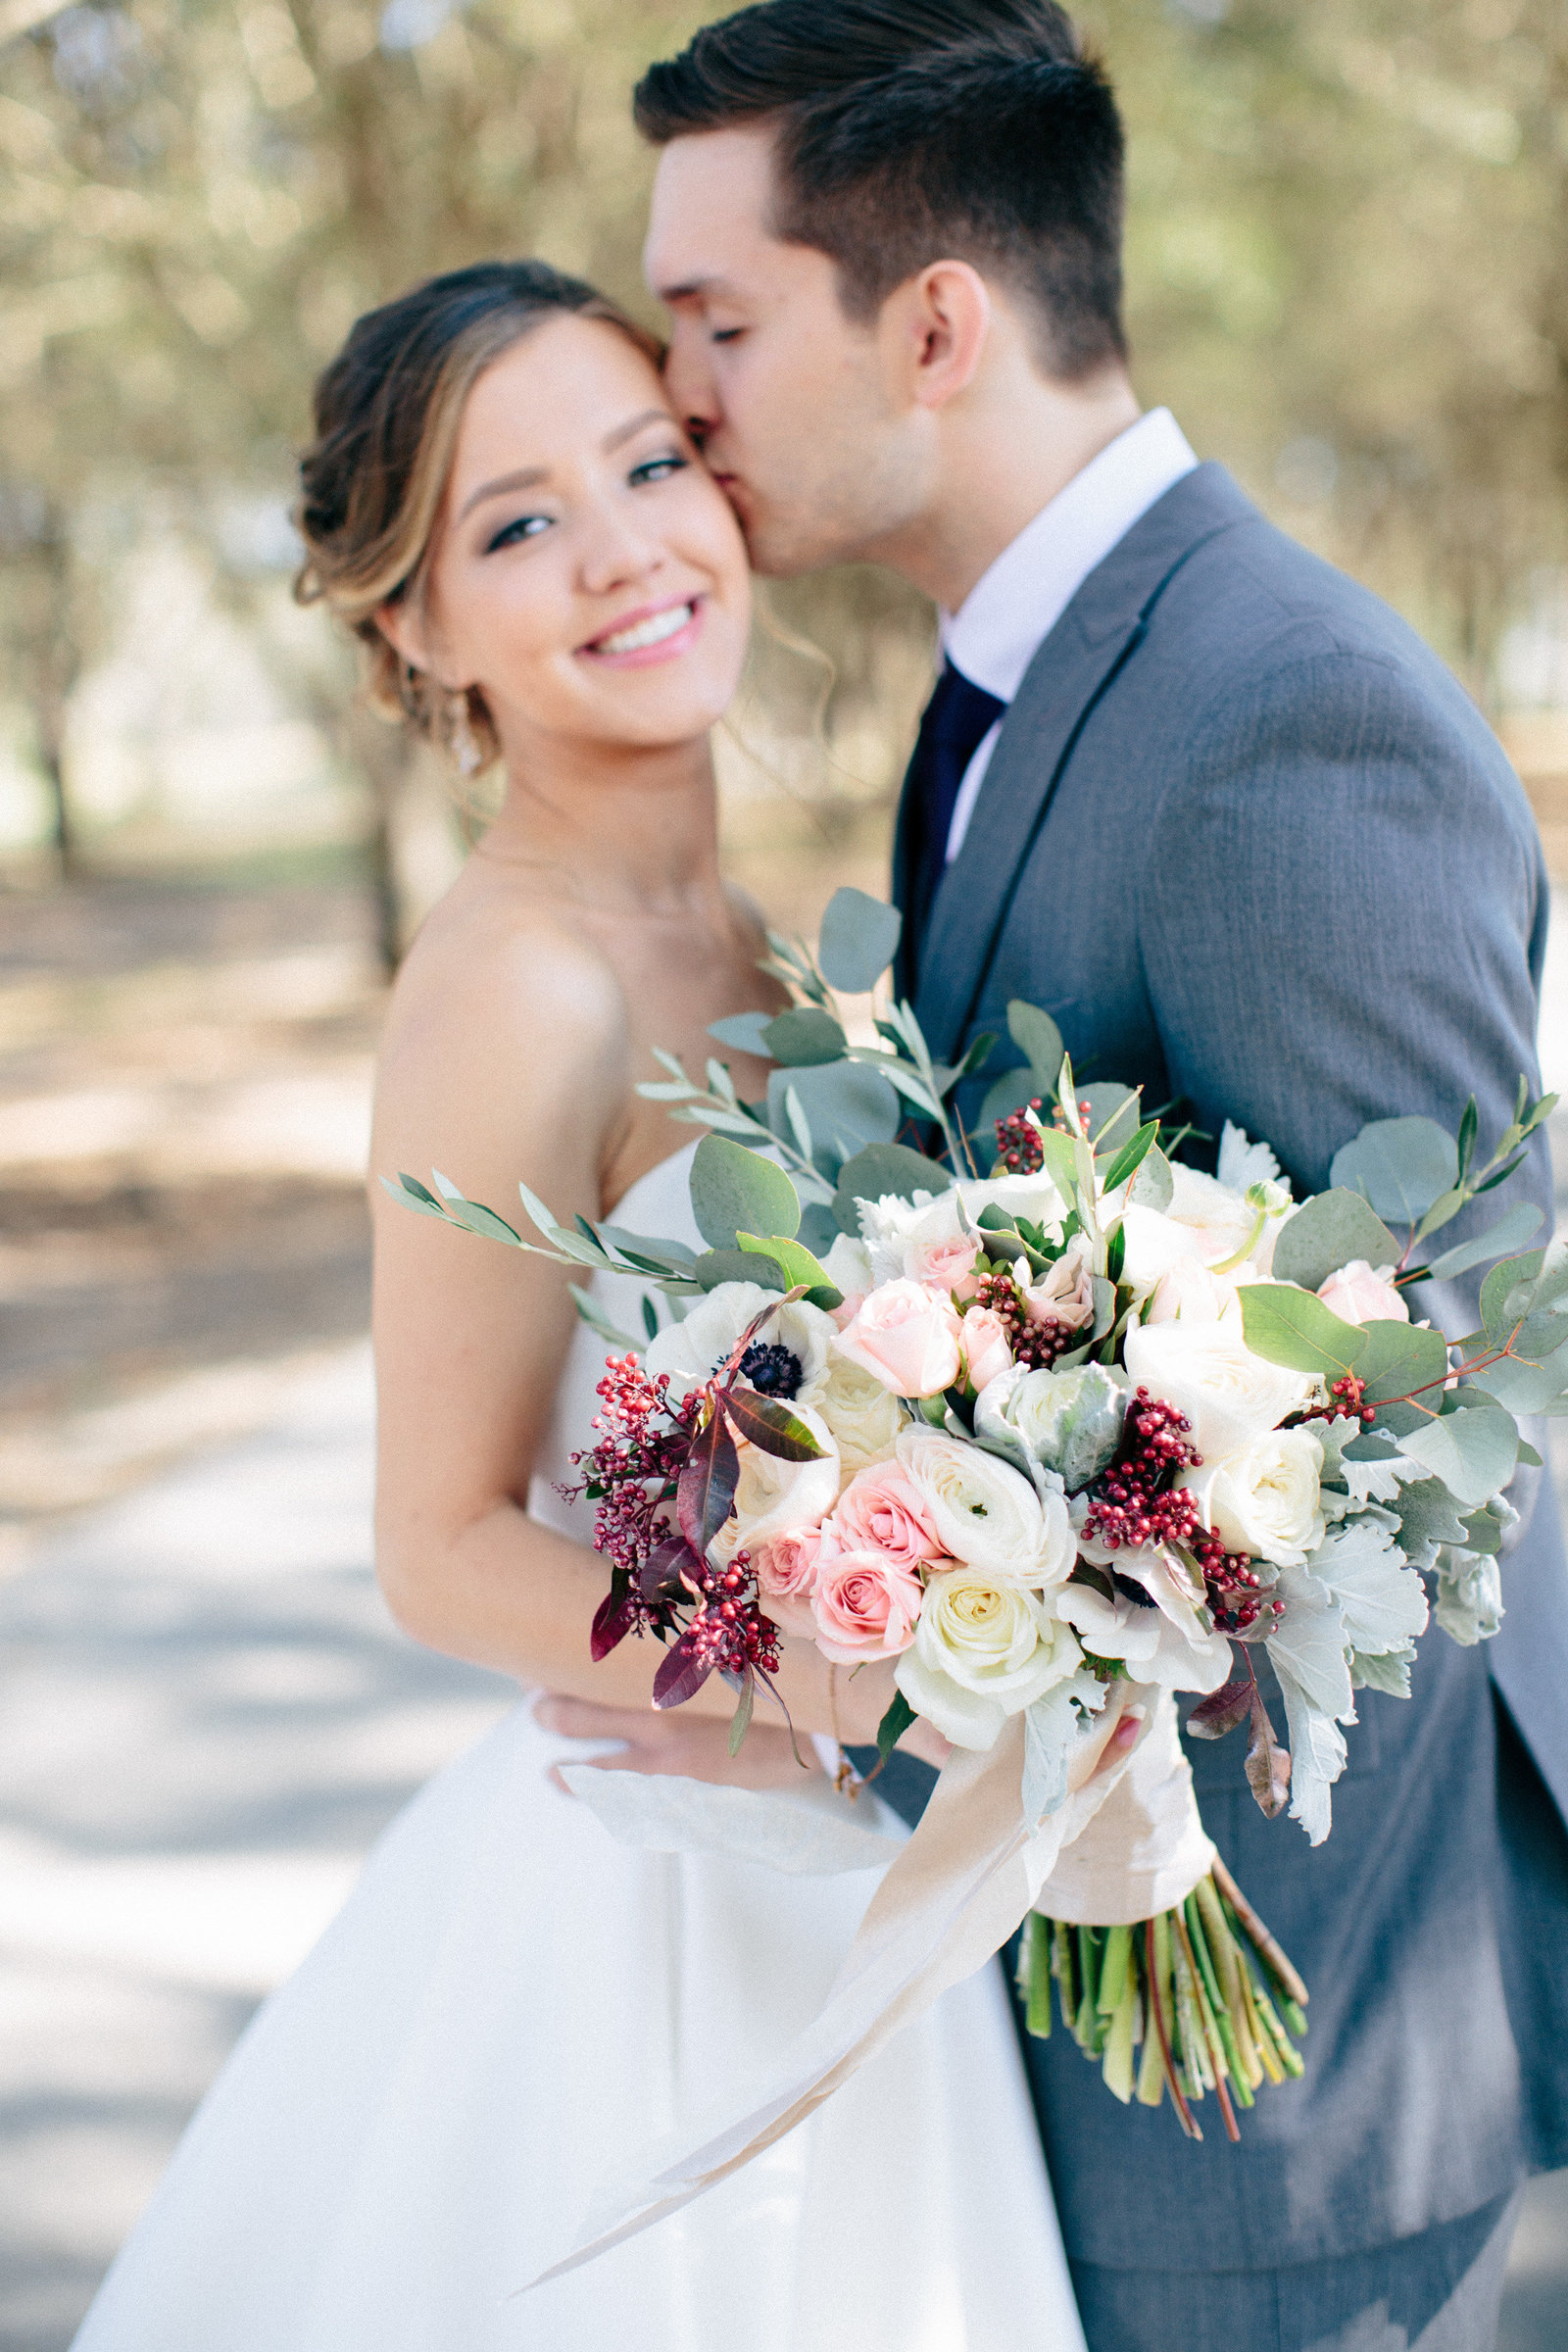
[(914, 130)]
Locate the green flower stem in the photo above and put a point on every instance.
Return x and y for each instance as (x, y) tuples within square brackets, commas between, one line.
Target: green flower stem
[(1199, 1998)]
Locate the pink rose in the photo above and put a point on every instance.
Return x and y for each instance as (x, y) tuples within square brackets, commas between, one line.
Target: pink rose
[(866, 1605), (1065, 1293), (908, 1336), (883, 1510), (1358, 1295), (986, 1347), (786, 1568), (946, 1265)]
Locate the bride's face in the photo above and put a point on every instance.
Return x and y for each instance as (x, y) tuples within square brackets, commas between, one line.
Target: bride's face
[(586, 574)]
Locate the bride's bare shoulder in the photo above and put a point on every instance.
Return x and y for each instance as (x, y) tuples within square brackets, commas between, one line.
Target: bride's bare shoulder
[(501, 989)]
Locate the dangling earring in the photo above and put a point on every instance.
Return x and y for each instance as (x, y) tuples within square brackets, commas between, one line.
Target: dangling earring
[(461, 739)]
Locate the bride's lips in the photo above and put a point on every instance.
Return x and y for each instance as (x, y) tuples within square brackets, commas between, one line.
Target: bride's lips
[(651, 633)]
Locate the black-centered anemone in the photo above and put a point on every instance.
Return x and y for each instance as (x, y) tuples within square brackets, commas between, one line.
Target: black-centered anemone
[(771, 1368)]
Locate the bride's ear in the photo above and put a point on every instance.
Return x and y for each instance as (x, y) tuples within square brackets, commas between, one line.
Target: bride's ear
[(404, 624)]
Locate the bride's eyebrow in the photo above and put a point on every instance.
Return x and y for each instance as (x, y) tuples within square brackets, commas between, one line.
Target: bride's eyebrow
[(529, 475)]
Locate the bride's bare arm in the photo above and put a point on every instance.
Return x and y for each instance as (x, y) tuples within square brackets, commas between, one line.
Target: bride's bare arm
[(504, 1060)]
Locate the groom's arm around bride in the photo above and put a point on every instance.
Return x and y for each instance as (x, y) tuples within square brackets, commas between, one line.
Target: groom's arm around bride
[(1226, 818)]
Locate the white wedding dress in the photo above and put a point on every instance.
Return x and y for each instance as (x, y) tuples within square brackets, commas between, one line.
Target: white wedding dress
[(507, 2008)]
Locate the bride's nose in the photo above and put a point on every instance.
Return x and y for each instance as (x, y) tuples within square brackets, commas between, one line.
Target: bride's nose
[(618, 551)]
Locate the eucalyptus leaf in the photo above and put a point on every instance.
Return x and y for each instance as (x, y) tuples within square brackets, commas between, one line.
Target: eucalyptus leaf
[(1327, 1233), (857, 941), (804, 1036), (744, 1033), (1509, 1233), (1291, 1327), (845, 1104), (882, 1170), (820, 1228), (1153, 1186), (1398, 1359), (738, 1265), (1526, 1389), (731, 1188), (672, 1256), (593, 1315), (1401, 1165), (1113, 1119), (407, 1193), (1524, 1303), (1039, 1040), (1473, 1452)]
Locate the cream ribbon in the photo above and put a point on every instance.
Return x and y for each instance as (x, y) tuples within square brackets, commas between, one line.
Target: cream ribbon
[(952, 1897)]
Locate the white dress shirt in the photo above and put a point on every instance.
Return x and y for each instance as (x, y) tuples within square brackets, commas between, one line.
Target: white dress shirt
[(1013, 609)]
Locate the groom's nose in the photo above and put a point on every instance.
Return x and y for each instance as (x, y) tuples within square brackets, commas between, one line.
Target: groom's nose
[(690, 380)]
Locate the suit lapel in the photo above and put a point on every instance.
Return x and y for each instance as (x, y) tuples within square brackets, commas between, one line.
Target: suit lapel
[(1093, 641)]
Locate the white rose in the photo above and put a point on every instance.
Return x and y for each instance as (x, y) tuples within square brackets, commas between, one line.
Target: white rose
[(1218, 1220), (694, 1349), (848, 1267), (1206, 1372), (775, 1497), (986, 1513), (1153, 1244), (984, 1649), (1154, 1648), (1265, 1500), (861, 1410)]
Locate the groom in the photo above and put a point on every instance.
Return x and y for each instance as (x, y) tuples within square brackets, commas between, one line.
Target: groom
[(1224, 815)]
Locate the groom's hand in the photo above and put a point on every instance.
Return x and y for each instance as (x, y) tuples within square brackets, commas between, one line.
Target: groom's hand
[(695, 1747)]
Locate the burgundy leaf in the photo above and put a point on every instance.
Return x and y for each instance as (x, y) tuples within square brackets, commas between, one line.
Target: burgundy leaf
[(665, 1574), (1222, 1710), (771, 1427), (612, 1622), (682, 1672), (1268, 1765), (706, 1486)]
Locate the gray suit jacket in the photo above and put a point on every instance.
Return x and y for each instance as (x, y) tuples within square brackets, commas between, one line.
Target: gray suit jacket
[(1249, 843)]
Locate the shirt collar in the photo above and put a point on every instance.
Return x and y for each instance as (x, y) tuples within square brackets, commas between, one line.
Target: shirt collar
[(1012, 608)]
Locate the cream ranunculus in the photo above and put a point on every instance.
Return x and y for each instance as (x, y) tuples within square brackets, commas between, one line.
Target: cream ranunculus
[(693, 1350), (1265, 1500), (986, 1513), (861, 1411), (983, 1648), (1207, 1371), (774, 1497), (1152, 1646)]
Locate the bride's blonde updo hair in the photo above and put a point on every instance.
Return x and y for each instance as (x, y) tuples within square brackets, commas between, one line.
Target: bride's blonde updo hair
[(387, 410)]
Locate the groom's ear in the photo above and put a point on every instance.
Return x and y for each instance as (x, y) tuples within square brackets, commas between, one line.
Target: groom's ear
[(941, 317)]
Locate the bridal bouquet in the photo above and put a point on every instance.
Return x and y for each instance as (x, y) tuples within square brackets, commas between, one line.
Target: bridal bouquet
[(1091, 1418)]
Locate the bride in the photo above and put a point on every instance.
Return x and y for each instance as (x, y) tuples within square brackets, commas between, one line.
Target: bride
[(503, 507)]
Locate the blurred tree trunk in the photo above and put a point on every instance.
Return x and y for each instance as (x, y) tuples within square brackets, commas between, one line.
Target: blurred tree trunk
[(55, 666)]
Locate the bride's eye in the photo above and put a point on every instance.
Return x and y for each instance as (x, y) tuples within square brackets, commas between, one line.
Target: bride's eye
[(658, 469), (511, 534)]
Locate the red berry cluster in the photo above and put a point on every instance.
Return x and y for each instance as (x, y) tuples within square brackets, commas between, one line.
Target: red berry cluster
[(1236, 1592), (632, 1472), (728, 1630), (1133, 1502), (1037, 1344), (1019, 1144), (1350, 1395)]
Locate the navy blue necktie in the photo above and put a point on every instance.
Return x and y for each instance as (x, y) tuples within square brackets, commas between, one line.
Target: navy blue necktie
[(956, 719)]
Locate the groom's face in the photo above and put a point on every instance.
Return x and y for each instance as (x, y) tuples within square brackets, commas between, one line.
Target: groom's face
[(800, 410)]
